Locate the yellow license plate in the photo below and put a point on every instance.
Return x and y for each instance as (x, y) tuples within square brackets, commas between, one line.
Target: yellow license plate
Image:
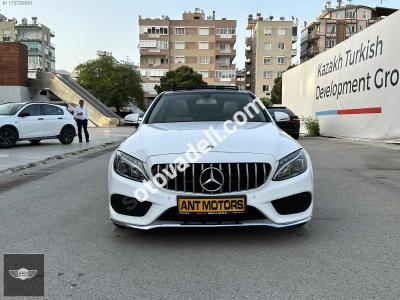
[(217, 205)]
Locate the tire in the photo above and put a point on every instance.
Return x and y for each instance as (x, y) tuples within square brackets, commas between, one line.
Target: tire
[(67, 135), (34, 142), (8, 137), (296, 136)]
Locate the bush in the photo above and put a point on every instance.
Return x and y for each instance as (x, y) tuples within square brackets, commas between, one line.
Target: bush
[(312, 126)]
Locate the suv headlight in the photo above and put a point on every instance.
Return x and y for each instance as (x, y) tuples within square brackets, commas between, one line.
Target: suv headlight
[(129, 167), (291, 165)]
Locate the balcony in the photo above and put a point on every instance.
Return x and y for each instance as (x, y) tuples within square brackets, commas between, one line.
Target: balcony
[(248, 48), (153, 51), (294, 52), (294, 39), (35, 52), (52, 45), (230, 38), (248, 61), (312, 51), (228, 52), (225, 66), (249, 41), (155, 66)]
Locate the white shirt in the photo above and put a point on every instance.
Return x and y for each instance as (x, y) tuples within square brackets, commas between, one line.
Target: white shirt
[(84, 116)]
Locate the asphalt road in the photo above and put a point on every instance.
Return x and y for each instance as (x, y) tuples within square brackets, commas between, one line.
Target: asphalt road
[(350, 249)]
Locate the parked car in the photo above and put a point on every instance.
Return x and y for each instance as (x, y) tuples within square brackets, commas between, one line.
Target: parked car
[(192, 163), (133, 118), (35, 122), (291, 126)]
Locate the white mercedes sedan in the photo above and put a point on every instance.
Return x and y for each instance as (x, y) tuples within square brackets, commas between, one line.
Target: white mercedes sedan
[(210, 157)]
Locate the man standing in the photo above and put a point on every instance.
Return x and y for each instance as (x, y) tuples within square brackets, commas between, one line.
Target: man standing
[(81, 117)]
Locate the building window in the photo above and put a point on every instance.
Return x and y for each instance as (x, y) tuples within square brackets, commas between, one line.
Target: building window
[(153, 30), (150, 60), (279, 74), (164, 60), (349, 14), (204, 74), (225, 30), (222, 47), (267, 31), (225, 74), (267, 74), (203, 60), (267, 46), (180, 31), (179, 45), (162, 45), (281, 45), (153, 72), (204, 31), (266, 88), (282, 31), (331, 28), (330, 43), (281, 60), (203, 45), (267, 60), (180, 59)]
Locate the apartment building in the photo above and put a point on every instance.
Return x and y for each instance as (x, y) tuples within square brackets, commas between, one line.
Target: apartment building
[(269, 51), (335, 24), (41, 51), (203, 43), (8, 32)]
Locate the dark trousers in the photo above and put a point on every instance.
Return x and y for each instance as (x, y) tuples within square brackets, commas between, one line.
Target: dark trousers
[(82, 123)]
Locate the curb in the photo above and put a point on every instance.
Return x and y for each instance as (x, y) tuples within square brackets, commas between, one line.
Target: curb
[(67, 155)]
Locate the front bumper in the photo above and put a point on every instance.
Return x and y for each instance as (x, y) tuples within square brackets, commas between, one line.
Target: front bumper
[(260, 199)]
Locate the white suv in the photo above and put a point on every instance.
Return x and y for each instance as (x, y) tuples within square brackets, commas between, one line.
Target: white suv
[(210, 157), (35, 122)]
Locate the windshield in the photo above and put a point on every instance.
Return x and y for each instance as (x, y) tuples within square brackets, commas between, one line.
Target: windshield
[(10, 109), (203, 106)]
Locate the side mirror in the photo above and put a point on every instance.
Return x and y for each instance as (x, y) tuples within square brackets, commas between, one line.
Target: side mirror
[(24, 114), (281, 116), (140, 119)]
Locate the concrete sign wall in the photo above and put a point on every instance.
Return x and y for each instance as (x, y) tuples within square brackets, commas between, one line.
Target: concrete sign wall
[(353, 88)]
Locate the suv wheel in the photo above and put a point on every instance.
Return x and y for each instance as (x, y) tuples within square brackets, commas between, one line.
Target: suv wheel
[(67, 135), (35, 142), (8, 137)]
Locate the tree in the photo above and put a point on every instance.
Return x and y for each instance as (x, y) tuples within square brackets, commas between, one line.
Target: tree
[(276, 92), (181, 77), (266, 101), (114, 84)]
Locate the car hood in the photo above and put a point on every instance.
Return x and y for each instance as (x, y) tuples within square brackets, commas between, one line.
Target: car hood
[(174, 138)]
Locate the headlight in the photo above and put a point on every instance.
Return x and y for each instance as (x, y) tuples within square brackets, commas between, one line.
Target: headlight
[(291, 165), (129, 167)]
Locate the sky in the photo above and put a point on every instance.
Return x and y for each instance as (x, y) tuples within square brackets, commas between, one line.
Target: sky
[(84, 26)]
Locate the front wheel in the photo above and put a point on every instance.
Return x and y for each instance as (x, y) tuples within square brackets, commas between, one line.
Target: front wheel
[(67, 135), (8, 138)]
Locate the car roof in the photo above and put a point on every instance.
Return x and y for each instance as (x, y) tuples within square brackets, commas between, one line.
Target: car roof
[(207, 88)]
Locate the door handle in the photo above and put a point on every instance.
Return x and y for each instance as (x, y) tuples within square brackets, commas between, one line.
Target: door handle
[(60, 118), (40, 119)]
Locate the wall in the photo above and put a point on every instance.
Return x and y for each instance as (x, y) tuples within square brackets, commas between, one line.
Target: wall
[(13, 64), (17, 94), (350, 99)]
